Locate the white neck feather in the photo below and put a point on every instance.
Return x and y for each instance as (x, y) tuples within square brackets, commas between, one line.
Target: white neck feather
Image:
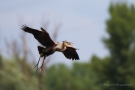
[(60, 47)]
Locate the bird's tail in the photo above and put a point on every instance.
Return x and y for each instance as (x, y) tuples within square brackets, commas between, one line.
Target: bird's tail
[(40, 49)]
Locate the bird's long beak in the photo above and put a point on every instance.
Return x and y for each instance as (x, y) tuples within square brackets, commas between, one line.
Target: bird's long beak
[(71, 42)]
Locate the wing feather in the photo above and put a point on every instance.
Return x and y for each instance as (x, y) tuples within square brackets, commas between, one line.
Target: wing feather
[(70, 53), (43, 36)]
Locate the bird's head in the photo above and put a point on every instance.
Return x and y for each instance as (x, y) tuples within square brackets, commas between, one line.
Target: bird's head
[(67, 43)]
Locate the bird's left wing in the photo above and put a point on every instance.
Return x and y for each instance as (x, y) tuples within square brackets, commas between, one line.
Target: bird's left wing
[(70, 53), (42, 36)]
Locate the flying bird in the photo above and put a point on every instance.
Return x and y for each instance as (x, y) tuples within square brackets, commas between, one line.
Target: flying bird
[(43, 37)]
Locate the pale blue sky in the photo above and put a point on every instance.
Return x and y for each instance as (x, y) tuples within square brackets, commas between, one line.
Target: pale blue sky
[(83, 22)]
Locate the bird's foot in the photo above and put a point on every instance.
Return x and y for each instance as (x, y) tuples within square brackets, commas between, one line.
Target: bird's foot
[(36, 67), (41, 68)]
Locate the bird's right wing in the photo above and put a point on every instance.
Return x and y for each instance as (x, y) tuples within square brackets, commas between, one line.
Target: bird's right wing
[(43, 36), (70, 53)]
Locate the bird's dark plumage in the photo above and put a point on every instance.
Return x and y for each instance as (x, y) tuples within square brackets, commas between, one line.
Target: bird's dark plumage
[(70, 53), (42, 36), (45, 51), (40, 49)]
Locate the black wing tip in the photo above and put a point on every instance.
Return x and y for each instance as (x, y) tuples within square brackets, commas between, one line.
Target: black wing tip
[(23, 27), (73, 58), (41, 28), (77, 59)]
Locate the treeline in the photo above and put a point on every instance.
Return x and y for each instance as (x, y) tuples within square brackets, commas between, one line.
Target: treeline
[(114, 72)]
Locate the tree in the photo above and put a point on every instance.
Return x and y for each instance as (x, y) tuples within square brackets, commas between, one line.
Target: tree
[(58, 78), (121, 44), (12, 78)]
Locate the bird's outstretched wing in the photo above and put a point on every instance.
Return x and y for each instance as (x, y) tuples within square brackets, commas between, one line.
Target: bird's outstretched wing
[(70, 53), (43, 36)]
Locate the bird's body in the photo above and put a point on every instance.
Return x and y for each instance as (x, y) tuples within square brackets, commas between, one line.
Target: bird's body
[(50, 50), (58, 47), (50, 46), (45, 51)]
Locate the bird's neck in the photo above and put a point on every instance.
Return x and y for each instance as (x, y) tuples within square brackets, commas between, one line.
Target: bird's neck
[(60, 47), (63, 47)]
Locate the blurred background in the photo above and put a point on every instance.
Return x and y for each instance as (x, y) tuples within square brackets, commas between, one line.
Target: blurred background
[(104, 32)]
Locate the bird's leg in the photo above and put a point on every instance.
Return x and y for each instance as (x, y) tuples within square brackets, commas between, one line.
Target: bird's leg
[(42, 66), (38, 63)]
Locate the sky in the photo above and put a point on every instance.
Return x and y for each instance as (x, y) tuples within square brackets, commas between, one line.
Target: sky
[(81, 22)]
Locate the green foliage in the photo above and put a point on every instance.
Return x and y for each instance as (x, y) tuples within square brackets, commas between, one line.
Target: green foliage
[(11, 78), (57, 78), (84, 77), (120, 28), (80, 77), (121, 43)]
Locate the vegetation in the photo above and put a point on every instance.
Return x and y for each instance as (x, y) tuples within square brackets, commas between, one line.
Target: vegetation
[(114, 72)]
